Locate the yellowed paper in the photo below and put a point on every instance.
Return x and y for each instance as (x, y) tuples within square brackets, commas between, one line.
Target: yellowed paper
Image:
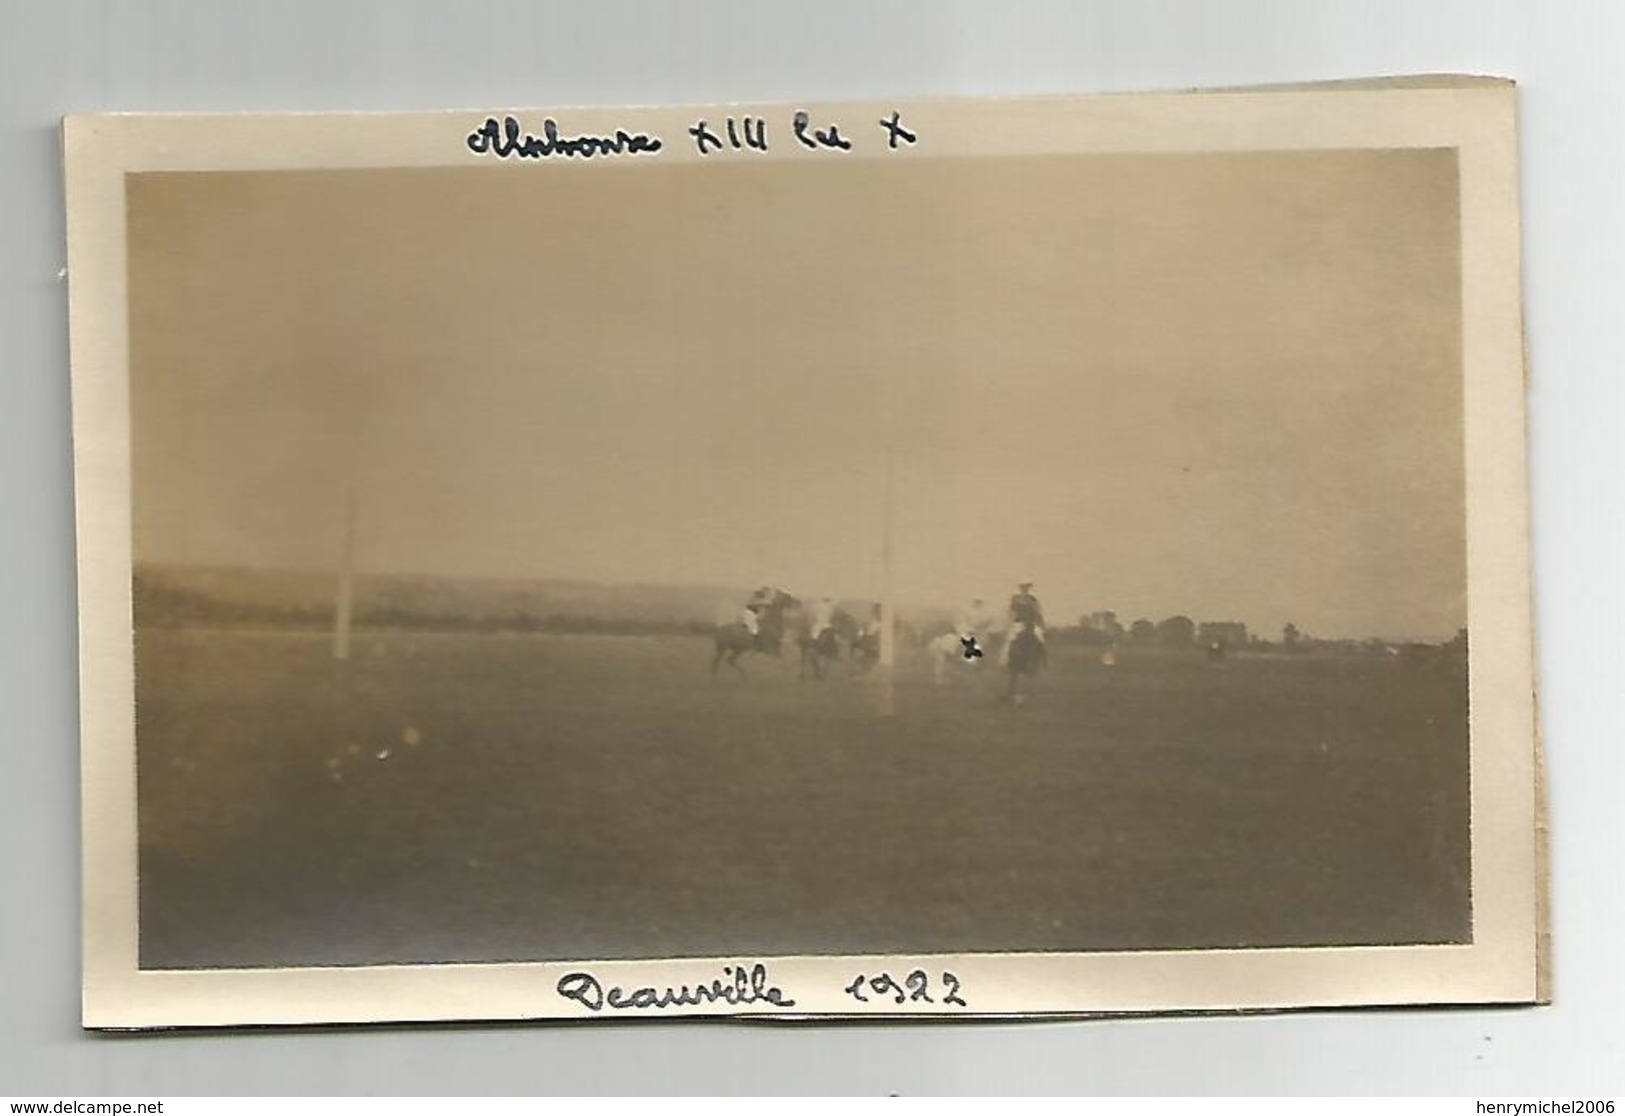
[(978, 558)]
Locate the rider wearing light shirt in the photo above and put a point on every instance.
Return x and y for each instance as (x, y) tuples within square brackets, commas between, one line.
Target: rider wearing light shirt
[(823, 617), (751, 616)]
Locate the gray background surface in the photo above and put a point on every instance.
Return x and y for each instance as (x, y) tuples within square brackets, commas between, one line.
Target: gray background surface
[(335, 54)]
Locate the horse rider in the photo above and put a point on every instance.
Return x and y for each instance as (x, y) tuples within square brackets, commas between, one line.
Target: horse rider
[(870, 632), (823, 618), (751, 617), (1025, 614)]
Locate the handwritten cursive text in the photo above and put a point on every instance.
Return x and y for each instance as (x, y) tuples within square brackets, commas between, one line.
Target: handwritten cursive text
[(507, 140), (736, 986)]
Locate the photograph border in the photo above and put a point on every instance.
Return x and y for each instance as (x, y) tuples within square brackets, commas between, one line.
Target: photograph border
[(1477, 118)]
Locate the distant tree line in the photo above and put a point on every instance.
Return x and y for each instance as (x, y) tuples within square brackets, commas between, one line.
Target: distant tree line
[(159, 606), (1103, 629)]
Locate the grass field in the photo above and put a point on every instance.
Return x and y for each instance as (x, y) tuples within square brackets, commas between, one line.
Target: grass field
[(527, 797)]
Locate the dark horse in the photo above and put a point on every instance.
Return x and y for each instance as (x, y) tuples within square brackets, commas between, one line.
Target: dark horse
[(1027, 656), (734, 640), (825, 649)]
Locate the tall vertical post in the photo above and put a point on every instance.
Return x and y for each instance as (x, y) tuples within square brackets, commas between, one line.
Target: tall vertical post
[(345, 606), (888, 611), (888, 607)]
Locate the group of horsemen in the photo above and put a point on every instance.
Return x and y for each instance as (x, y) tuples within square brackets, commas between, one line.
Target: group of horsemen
[(974, 624)]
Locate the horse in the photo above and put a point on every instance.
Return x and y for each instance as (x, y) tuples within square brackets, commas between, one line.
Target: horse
[(824, 648), (1027, 655), (734, 639), (865, 648)]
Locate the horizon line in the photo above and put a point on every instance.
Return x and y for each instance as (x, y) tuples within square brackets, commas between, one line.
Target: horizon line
[(905, 604)]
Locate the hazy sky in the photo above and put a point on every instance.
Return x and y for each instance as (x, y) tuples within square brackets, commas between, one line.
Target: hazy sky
[(1224, 385)]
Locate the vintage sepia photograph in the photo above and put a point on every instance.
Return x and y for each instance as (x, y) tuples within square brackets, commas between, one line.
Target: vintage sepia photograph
[(562, 552)]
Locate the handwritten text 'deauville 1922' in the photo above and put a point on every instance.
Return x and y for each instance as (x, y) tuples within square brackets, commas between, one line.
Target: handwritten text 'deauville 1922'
[(737, 986)]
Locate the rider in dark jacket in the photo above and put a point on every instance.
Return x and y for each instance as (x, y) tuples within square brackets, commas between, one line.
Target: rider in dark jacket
[(1025, 614)]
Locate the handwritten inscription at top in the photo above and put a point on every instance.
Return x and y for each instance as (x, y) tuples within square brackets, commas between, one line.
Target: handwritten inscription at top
[(746, 132), (813, 137), (508, 139), (895, 131), (749, 133)]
